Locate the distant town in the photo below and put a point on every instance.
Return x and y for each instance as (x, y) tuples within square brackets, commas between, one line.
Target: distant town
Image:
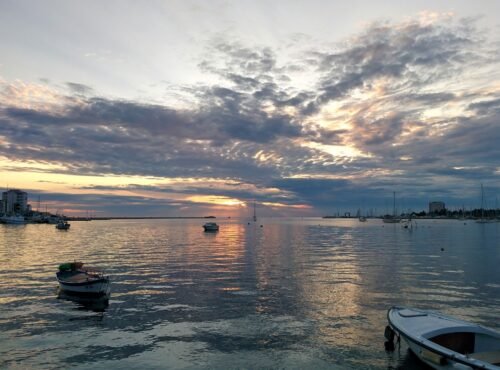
[(14, 208), (435, 210)]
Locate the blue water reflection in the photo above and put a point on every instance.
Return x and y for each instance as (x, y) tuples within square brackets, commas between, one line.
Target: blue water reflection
[(294, 293)]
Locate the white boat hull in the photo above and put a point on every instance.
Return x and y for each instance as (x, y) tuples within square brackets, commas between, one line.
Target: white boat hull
[(13, 220), (83, 283), (211, 227), (443, 342), (97, 289)]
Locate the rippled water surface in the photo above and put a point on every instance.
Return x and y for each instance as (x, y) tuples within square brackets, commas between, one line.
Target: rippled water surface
[(292, 293)]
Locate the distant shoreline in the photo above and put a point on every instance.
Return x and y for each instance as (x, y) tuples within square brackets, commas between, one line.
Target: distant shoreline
[(137, 218)]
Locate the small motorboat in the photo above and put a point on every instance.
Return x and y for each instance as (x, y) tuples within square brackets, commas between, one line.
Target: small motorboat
[(63, 225), (443, 342), (211, 226), (73, 278)]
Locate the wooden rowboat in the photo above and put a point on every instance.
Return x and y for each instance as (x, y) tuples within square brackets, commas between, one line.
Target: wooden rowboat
[(73, 278)]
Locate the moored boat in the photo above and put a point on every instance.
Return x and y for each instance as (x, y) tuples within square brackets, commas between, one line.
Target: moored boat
[(388, 219), (73, 278), (408, 223), (444, 342), (63, 225), (13, 220), (391, 220), (211, 226)]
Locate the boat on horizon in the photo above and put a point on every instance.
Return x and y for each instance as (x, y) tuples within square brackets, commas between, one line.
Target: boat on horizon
[(73, 278), (444, 342), (360, 217), (63, 225), (392, 219), (211, 227), (483, 220)]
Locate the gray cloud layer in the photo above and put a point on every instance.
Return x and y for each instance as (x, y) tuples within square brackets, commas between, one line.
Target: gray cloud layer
[(418, 66)]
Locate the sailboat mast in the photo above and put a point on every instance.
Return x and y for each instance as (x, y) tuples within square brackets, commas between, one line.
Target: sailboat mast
[(482, 202), (394, 203), (254, 212)]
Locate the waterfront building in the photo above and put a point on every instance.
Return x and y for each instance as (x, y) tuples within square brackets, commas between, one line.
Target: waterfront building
[(436, 207), (14, 201)]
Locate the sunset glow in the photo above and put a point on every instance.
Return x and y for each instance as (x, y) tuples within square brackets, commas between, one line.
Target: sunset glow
[(312, 118)]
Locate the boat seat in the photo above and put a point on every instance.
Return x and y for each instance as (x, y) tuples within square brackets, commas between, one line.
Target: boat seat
[(492, 357)]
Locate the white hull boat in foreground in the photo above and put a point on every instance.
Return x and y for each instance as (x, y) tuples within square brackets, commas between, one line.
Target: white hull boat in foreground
[(444, 342), (73, 278)]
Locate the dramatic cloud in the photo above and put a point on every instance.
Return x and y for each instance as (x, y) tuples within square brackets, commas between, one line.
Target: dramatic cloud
[(405, 107)]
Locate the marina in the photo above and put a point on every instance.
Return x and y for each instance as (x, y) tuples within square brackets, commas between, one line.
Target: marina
[(296, 293)]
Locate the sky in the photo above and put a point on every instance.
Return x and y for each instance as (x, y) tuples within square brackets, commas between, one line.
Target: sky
[(194, 108)]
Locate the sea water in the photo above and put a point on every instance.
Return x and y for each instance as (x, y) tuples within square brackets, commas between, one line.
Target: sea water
[(282, 293)]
